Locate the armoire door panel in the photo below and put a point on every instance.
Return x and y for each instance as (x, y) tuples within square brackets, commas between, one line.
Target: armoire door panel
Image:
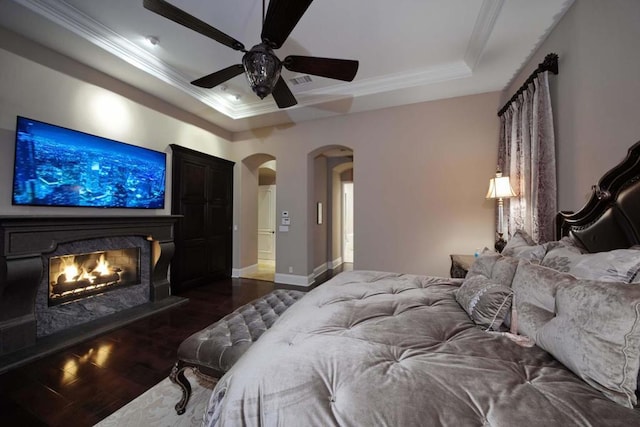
[(218, 224), (219, 185), (195, 262), (202, 192), (196, 223), (217, 257), (193, 181)]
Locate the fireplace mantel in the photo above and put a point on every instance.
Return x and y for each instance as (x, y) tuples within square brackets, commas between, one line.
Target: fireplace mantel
[(25, 239), (27, 235)]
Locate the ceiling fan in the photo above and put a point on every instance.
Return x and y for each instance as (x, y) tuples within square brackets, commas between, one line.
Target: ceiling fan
[(260, 64)]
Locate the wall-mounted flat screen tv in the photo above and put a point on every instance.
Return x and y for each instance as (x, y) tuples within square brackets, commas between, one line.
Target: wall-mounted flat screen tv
[(56, 166)]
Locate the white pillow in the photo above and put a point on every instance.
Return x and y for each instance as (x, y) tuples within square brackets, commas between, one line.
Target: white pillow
[(596, 334), (620, 265)]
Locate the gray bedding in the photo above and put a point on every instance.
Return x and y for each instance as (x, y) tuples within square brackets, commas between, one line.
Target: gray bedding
[(383, 349)]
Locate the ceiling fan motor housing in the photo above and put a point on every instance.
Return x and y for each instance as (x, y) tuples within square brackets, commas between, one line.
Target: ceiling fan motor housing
[(262, 68)]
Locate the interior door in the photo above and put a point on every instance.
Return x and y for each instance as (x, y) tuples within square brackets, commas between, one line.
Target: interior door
[(267, 222)]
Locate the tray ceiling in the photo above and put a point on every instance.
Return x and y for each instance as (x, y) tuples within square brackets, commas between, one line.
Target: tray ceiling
[(409, 50)]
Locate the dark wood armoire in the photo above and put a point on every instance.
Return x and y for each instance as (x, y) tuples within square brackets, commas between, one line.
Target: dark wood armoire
[(202, 192)]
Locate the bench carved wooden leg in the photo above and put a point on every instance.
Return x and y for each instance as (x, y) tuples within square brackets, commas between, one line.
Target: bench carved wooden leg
[(177, 377), (228, 336)]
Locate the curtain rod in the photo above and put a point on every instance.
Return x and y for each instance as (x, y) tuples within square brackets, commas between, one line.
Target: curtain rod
[(550, 63)]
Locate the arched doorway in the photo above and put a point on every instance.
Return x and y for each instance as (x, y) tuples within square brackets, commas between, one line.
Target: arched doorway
[(257, 246), (266, 233), (331, 167)]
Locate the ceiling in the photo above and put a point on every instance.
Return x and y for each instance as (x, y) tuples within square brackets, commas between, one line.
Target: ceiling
[(409, 50)]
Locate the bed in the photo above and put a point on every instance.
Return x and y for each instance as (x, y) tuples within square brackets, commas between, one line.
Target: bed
[(540, 335)]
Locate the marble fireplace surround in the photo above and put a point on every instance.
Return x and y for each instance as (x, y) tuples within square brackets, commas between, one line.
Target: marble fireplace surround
[(25, 242)]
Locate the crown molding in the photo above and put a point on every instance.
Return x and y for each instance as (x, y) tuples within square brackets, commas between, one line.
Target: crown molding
[(95, 32), (489, 12), (431, 75)]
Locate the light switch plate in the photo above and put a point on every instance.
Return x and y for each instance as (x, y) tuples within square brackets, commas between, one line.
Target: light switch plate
[(285, 214)]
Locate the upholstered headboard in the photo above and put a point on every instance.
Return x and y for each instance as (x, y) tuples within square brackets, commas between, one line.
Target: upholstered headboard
[(611, 217)]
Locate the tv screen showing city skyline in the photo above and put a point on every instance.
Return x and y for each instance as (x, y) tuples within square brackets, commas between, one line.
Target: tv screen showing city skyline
[(57, 166)]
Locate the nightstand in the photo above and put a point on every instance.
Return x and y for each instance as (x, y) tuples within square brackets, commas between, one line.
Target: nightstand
[(460, 264)]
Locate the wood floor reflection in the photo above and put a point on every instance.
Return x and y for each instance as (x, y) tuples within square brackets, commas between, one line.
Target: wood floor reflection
[(266, 270), (85, 383)]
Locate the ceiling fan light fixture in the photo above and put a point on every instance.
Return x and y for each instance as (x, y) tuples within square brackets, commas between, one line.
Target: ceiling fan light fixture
[(262, 68), (260, 64)]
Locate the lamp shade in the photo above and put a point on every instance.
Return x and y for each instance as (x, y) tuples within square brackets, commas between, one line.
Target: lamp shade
[(500, 188)]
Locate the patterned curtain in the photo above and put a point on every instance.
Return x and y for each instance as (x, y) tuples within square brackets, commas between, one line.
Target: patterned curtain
[(526, 154)]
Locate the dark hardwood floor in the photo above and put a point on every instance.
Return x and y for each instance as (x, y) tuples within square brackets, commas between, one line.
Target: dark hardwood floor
[(83, 384)]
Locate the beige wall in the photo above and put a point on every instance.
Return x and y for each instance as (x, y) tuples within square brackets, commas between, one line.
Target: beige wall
[(421, 170), (596, 95), (37, 91), (419, 195), (421, 173)]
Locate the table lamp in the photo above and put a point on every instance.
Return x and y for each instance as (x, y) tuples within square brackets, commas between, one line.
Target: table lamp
[(500, 188)]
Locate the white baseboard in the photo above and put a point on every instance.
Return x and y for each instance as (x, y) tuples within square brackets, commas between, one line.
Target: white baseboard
[(292, 279), (319, 270), (335, 263), (239, 272)]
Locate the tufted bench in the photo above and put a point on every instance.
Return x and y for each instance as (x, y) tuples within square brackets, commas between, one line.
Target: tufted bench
[(213, 350)]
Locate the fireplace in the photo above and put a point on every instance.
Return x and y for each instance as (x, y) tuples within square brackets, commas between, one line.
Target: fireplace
[(121, 271), (77, 276)]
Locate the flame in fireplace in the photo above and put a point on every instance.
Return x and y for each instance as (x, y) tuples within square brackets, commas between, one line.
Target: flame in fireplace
[(84, 274), (70, 271), (78, 275), (103, 266), (73, 272)]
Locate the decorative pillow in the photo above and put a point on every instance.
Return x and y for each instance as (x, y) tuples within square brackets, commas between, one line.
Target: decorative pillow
[(534, 289), (486, 302), (521, 245), (567, 242), (620, 265), (497, 268), (596, 334), (492, 265), (520, 238)]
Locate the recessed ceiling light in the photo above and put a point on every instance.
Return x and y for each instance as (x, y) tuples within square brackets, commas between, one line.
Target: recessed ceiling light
[(152, 40)]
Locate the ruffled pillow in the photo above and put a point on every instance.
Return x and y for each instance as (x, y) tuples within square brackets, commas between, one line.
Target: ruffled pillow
[(592, 327), (497, 269), (596, 334)]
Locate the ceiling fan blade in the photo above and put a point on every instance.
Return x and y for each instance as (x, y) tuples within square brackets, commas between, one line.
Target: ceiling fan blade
[(282, 94), (214, 79), (181, 17), (282, 17), (340, 69)]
